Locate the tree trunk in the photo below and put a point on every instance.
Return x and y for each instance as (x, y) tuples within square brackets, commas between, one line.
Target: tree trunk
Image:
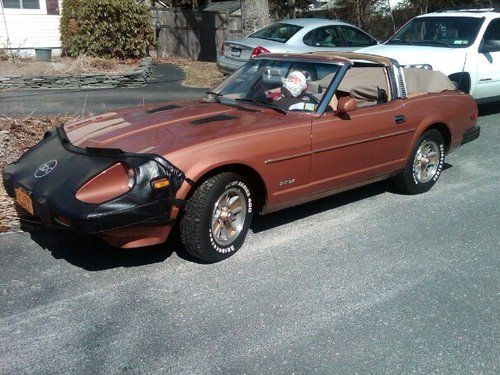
[(254, 15)]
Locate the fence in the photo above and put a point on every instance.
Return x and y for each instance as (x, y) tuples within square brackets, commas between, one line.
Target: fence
[(195, 35)]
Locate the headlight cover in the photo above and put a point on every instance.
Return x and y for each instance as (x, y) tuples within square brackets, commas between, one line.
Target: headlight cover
[(110, 183)]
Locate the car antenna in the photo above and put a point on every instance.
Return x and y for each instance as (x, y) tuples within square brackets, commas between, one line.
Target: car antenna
[(459, 84)]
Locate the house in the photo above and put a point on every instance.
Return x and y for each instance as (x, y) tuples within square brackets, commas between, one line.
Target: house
[(29, 24)]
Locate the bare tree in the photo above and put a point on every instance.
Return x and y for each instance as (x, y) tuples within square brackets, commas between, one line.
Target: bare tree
[(254, 15)]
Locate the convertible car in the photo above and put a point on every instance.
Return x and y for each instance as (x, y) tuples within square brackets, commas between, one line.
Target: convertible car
[(282, 130)]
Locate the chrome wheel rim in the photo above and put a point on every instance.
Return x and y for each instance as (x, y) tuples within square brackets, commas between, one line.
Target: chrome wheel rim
[(426, 161), (228, 216)]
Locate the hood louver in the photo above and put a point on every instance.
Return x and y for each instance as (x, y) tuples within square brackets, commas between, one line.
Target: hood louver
[(222, 117), (164, 108)]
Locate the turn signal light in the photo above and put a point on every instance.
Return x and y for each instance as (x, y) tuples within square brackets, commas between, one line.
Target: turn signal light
[(160, 183), (259, 50)]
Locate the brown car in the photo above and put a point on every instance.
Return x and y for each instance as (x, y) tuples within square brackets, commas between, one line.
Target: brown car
[(281, 131)]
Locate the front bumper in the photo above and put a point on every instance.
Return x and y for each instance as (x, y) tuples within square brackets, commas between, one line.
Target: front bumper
[(471, 134), (53, 195)]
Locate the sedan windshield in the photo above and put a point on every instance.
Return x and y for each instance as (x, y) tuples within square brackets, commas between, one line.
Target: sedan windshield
[(450, 32), (277, 32), (291, 85)]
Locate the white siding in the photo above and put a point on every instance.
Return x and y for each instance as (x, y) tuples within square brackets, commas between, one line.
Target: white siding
[(29, 28)]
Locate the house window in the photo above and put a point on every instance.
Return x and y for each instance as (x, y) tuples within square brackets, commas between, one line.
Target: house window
[(21, 4)]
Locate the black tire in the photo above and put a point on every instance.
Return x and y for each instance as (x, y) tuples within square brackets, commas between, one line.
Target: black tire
[(196, 224), (408, 181)]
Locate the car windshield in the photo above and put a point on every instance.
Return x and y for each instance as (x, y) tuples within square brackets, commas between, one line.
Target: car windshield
[(451, 32), (285, 85), (277, 32)]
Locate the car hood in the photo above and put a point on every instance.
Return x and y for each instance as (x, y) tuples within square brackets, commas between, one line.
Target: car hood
[(447, 60), (165, 128)]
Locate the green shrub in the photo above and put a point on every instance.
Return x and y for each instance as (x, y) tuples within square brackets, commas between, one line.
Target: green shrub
[(106, 28)]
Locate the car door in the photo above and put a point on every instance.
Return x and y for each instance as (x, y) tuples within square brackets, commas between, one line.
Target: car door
[(488, 63), (355, 38), (361, 145)]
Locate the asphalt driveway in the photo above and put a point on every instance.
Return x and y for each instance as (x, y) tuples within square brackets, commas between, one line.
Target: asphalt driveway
[(368, 281), (165, 85)]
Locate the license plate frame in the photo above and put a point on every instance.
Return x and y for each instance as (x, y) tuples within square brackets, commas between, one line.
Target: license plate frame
[(24, 200)]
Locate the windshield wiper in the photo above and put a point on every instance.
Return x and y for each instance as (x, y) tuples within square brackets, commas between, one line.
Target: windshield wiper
[(438, 43), (214, 95), (263, 103), (399, 41)]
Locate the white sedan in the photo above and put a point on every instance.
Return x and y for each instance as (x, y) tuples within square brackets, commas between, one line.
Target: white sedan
[(295, 35)]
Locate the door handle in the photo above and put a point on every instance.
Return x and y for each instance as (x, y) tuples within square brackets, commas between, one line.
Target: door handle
[(399, 119)]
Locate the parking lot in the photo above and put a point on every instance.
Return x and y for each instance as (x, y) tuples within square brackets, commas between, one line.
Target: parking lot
[(368, 281)]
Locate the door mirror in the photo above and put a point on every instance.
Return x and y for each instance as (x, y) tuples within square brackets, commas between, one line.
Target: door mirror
[(492, 45), (346, 104)]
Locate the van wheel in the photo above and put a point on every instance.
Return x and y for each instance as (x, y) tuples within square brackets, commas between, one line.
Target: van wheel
[(424, 165), (217, 217)]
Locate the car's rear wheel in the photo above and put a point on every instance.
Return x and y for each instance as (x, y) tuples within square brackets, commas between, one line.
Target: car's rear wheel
[(217, 217), (424, 165)]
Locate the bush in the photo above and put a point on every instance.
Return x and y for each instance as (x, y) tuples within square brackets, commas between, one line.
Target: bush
[(106, 28)]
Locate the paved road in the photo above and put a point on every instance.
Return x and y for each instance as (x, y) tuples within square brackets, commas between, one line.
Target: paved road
[(368, 282), (165, 85)]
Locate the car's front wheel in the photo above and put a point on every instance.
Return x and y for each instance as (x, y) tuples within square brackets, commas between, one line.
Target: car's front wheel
[(217, 217), (424, 165)]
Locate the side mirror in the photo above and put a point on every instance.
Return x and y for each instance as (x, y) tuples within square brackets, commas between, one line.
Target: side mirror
[(490, 46), (346, 104)]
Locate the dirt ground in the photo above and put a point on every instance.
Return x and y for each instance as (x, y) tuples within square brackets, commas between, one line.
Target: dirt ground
[(65, 66), (198, 73), (16, 136)]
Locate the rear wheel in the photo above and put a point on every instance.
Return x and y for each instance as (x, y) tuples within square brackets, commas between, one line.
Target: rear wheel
[(424, 165), (217, 217)]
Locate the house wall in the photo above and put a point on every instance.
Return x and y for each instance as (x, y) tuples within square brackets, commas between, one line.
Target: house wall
[(29, 28)]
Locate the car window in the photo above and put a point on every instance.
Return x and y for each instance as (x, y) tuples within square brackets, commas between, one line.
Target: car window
[(492, 33), (356, 38), (451, 32), (367, 85), (277, 32), (328, 36), (270, 81)]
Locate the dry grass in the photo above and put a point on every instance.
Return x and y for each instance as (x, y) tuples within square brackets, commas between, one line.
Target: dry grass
[(66, 66), (198, 73), (16, 136)]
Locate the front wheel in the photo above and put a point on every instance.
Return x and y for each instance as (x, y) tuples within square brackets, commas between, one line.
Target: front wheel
[(217, 217), (424, 165)]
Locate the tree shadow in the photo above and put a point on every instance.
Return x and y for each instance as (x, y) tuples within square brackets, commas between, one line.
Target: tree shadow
[(487, 109)]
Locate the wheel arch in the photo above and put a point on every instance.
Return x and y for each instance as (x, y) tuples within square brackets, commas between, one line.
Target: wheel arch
[(257, 184), (445, 133)]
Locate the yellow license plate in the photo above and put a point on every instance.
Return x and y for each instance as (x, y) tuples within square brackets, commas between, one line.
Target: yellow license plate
[(24, 200)]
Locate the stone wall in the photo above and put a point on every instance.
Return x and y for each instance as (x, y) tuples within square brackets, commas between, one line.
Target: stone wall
[(134, 78)]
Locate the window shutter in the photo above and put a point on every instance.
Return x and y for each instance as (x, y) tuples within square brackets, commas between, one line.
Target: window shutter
[(52, 6)]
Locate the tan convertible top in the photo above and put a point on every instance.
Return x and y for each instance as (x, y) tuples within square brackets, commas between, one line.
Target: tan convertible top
[(356, 56), (419, 81)]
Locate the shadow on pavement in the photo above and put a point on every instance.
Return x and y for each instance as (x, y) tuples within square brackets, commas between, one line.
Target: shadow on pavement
[(93, 254), (489, 108)]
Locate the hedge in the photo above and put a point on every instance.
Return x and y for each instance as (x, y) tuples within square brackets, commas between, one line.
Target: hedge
[(106, 28)]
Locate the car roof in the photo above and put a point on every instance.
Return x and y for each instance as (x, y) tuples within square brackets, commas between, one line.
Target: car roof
[(475, 13), (305, 22)]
